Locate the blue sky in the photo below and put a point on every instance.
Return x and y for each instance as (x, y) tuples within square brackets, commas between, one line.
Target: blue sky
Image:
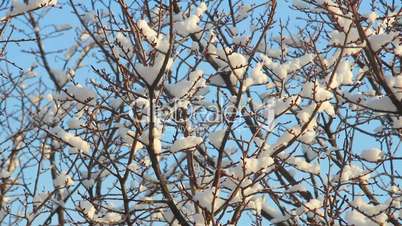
[(61, 16)]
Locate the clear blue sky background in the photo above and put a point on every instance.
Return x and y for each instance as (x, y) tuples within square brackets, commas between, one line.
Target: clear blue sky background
[(62, 16)]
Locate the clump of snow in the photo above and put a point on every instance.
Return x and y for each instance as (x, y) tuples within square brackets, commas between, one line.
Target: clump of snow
[(354, 217), (199, 219), (87, 208), (300, 4), (63, 180), (243, 11), (381, 40), (398, 50), (297, 188), (308, 136), (187, 87), (328, 108), (275, 212), (372, 16), (40, 198), (110, 218), (315, 91), (313, 204), (257, 203), (149, 73), (377, 212), (380, 103), (133, 166), (343, 75), (284, 104), (216, 138), (227, 59), (19, 7), (124, 46), (303, 165), (206, 196), (157, 133), (350, 172), (397, 122), (82, 94), (343, 19), (372, 154), (238, 62), (258, 76), (306, 113), (185, 143), (76, 142), (256, 164), (115, 102), (287, 136), (150, 34), (61, 77), (190, 25), (241, 40), (74, 123)]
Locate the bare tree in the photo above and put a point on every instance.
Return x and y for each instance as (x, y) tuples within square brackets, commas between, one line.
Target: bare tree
[(118, 112)]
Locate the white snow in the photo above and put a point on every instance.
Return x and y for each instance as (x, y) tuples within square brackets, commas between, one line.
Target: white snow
[(380, 103), (199, 219), (133, 166), (187, 87), (185, 143), (287, 136), (19, 7), (343, 75), (354, 217), (308, 137), (372, 154), (313, 204), (123, 47), (315, 90), (352, 172), (148, 32), (87, 208), (258, 76), (239, 63), (303, 165), (397, 122), (372, 16), (297, 188), (254, 164), (61, 77), (327, 107), (190, 25), (285, 103), (116, 102), (63, 180), (82, 94), (110, 218), (241, 40), (381, 40), (205, 198), (377, 212), (398, 50), (300, 4), (216, 138), (39, 198), (75, 141), (74, 123), (257, 204), (243, 11), (150, 73)]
